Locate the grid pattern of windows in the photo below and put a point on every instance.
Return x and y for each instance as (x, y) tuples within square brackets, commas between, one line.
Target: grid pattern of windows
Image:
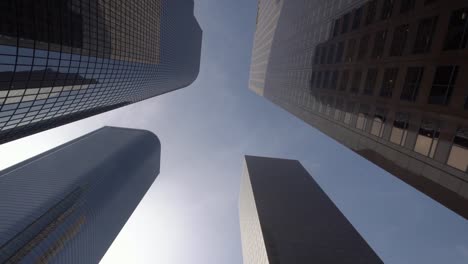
[(398, 46), (69, 60)]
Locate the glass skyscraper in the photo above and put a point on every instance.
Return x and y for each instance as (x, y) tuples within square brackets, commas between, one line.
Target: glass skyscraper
[(64, 60), (285, 217), (382, 77), (68, 204)]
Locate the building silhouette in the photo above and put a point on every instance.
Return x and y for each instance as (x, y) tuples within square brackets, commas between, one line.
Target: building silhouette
[(64, 60), (382, 77), (286, 217), (68, 204)]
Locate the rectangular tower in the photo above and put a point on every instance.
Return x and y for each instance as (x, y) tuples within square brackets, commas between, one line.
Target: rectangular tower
[(382, 77), (68, 204), (285, 217)]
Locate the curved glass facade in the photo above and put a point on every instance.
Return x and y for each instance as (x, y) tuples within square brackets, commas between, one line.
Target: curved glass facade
[(62, 61), (57, 208)]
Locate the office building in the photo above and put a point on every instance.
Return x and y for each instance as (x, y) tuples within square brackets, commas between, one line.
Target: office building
[(382, 77), (68, 204), (285, 217), (64, 60)]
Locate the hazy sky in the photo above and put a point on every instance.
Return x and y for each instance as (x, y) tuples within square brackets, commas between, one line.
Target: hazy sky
[(190, 214)]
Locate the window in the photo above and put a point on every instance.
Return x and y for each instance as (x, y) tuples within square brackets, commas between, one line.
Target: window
[(331, 53), (387, 9), (344, 80), (317, 55), (329, 109), (428, 137), (350, 50), (339, 52), (400, 129), (399, 40), (345, 24), (371, 80), (371, 10), (326, 79), (318, 83), (356, 82), (363, 46), (312, 80), (336, 28), (457, 34), (412, 83), (458, 157), (338, 109), (349, 113), (424, 35), (407, 5), (322, 104), (357, 18), (388, 82), (334, 80), (442, 87), (378, 124), (361, 121), (323, 55), (379, 44)]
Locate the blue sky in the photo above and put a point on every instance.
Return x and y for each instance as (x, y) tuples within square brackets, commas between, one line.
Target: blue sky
[(190, 214)]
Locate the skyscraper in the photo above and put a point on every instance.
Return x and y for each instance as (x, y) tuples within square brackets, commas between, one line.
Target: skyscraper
[(382, 77), (64, 60), (285, 217), (68, 204)]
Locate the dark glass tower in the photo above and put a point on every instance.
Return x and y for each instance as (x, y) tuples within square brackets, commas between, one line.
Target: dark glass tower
[(286, 217), (64, 60), (382, 77), (67, 205)]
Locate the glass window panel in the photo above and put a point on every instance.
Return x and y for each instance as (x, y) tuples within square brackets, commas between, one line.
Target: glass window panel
[(388, 82), (457, 34), (412, 83), (458, 157), (443, 84), (427, 139), (399, 40), (424, 35), (400, 129)]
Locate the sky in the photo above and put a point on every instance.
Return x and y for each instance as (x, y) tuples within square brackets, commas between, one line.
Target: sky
[(190, 213)]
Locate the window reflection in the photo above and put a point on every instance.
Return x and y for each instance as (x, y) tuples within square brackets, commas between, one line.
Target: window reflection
[(400, 129), (428, 138), (349, 113), (458, 157), (378, 123), (362, 117)]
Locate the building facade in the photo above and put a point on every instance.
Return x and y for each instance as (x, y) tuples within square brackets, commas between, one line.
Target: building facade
[(67, 205), (382, 77), (285, 217), (64, 60)]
